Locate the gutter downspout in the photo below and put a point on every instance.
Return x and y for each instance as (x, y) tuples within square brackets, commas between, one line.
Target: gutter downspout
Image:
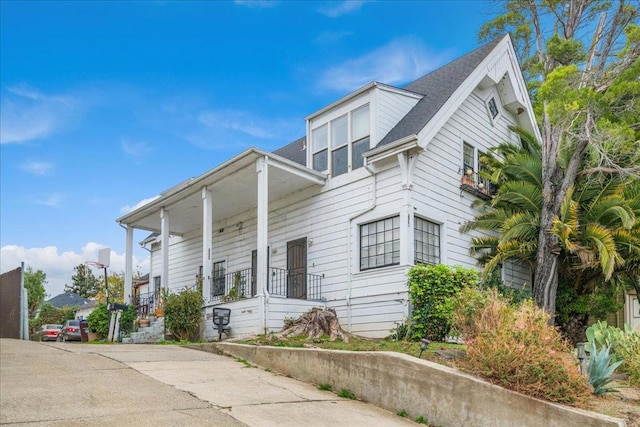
[(372, 206)]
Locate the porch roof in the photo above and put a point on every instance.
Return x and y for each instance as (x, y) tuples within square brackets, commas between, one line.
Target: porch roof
[(234, 188)]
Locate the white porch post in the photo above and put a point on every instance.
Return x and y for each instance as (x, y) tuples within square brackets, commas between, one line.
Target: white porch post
[(128, 266), (407, 165), (262, 168), (207, 225), (164, 248)]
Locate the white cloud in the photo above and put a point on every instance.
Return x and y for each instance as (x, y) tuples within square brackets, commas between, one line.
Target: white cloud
[(399, 61), (27, 114), (53, 200), (257, 4), (135, 149), (241, 121), (37, 168), (127, 208), (58, 266), (336, 9)]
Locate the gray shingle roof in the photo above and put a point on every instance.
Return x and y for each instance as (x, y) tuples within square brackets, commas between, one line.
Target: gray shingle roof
[(69, 299), (437, 87), (295, 151)]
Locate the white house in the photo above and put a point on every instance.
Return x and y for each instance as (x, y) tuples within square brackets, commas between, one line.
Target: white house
[(382, 180)]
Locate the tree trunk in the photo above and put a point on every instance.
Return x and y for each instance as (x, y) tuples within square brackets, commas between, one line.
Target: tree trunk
[(314, 324)]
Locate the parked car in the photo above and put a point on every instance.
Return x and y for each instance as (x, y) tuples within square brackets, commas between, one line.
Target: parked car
[(47, 332), (70, 331)]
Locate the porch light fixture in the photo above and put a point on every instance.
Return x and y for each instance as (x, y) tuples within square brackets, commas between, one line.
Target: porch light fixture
[(424, 343)]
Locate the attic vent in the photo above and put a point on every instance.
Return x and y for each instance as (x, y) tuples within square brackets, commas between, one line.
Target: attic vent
[(493, 108)]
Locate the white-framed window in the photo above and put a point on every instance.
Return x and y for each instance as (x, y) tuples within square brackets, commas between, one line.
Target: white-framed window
[(493, 108), (426, 241), (468, 158), (380, 243), (319, 140), (346, 137)]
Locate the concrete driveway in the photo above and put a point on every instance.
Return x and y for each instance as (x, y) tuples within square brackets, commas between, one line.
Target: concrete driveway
[(127, 384)]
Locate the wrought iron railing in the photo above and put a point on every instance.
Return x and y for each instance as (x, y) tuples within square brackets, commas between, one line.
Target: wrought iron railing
[(146, 302), (288, 283), (476, 184)]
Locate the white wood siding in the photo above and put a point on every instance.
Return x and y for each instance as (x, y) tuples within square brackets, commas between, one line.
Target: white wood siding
[(391, 107), (370, 302), (516, 275)]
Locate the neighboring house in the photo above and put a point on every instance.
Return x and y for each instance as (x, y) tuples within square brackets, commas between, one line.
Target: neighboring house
[(84, 307), (383, 180)]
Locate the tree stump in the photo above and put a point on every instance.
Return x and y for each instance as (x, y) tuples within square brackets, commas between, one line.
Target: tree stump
[(314, 324)]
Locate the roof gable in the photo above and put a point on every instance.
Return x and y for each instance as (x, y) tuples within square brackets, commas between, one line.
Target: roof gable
[(437, 88)]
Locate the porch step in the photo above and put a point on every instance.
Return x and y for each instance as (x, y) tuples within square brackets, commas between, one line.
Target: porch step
[(151, 334)]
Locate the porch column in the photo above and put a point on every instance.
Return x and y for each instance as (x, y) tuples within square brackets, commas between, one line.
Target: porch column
[(407, 165), (207, 225), (262, 168), (164, 248), (128, 266)]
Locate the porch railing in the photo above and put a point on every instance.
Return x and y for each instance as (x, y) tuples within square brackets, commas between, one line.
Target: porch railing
[(146, 302), (288, 283)]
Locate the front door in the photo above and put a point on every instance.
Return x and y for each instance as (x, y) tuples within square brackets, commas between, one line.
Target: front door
[(297, 268)]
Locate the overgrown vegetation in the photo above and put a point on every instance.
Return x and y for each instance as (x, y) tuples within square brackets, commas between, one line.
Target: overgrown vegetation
[(182, 314), (514, 346), (99, 319), (623, 344), (51, 315), (432, 291)]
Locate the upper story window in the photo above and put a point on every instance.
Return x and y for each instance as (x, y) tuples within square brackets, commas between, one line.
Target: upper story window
[(346, 138), (493, 107), (472, 165), (319, 137)]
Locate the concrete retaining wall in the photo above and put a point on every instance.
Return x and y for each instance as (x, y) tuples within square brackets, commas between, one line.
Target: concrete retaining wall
[(394, 381)]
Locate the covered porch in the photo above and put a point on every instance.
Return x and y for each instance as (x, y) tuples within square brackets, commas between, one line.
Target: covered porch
[(225, 208)]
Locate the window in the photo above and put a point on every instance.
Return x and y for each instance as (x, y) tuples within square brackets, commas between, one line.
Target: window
[(380, 243), (319, 138), (468, 158), (218, 281), (426, 242), (346, 137), (493, 108)]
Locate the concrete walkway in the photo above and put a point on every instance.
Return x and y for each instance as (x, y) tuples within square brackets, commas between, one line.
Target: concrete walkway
[(84, 384)]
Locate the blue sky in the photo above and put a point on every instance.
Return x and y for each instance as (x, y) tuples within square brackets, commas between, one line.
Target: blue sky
[(106, 104)]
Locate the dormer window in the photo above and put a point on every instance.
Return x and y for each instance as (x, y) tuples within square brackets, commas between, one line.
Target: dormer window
[(346, 137), (319, 138)]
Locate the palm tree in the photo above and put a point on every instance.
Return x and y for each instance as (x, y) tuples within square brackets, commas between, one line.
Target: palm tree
[(598, 229)]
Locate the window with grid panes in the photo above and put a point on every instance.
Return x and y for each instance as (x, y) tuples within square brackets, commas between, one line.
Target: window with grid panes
[(426, 235), (380, 243), (468, 157)]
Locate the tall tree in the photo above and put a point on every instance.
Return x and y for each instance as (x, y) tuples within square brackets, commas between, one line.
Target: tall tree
[(84, 283), (116, 288), (598, 230), (34, 282), (581, 59)]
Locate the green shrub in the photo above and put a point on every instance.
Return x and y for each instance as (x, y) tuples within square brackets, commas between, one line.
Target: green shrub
[(603, 335), (51, 315), (516, 348), (99, 319), (628, 349), (433, 290), (346, 394), (182, 314)]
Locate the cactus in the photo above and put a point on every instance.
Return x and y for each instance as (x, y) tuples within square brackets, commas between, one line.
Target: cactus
[(601, 369)]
